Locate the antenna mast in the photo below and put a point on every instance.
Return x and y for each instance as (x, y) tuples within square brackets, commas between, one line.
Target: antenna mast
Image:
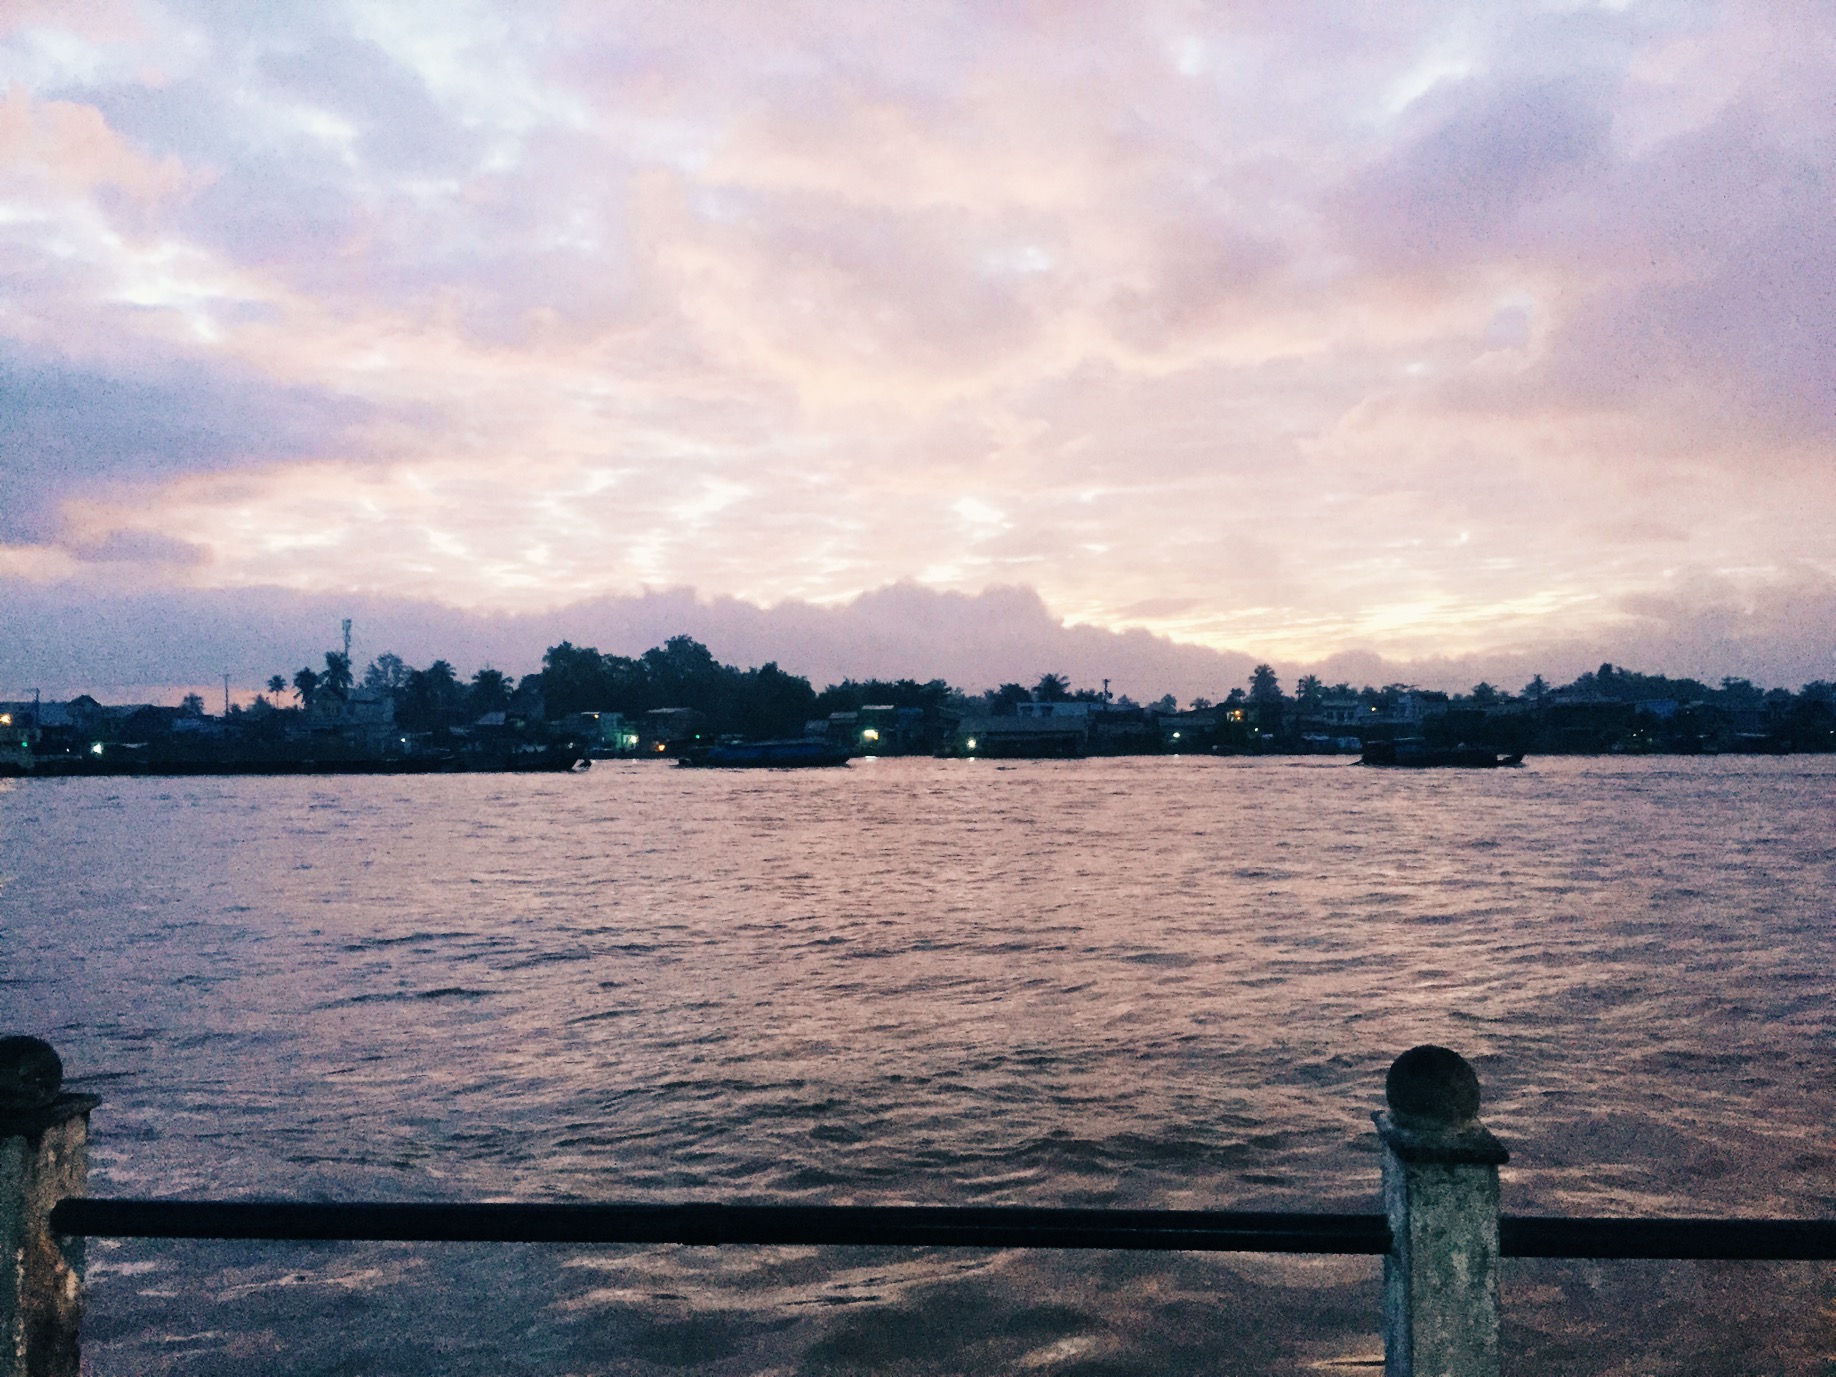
[(347, 640)]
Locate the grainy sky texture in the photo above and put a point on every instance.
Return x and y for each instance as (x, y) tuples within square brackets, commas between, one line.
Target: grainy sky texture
[(1447, 334)]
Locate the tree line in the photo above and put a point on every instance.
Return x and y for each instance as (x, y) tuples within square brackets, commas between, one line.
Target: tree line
[(769, 701)]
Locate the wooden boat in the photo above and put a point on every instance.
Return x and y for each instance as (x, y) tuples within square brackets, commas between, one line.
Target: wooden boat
[(799, 753)]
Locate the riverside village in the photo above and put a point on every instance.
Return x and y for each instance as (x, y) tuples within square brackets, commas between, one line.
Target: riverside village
[(678, 702)]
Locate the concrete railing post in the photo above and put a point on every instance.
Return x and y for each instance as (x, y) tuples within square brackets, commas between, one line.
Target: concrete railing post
[(44, 1156), (1440, 1190)]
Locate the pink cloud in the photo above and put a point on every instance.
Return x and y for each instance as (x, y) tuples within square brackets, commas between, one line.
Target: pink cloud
[(62, 148)]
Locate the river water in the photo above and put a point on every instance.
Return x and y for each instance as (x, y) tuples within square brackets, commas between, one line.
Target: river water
[(1143, 982)]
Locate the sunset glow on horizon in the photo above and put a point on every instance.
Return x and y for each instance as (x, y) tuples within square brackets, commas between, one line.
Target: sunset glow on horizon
[(1445, 333)]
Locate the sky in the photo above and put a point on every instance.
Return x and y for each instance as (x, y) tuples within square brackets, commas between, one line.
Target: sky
[(1144, 340)]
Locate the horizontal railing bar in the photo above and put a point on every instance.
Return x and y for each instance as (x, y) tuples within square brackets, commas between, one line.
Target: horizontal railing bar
[(994, 1226), (1757, 1240), (938, 1226)]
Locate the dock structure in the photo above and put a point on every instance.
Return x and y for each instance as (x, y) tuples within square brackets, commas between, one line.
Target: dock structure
[(1440, 1232)]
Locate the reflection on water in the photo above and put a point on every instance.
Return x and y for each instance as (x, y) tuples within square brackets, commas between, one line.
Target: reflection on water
[(1129, 982)]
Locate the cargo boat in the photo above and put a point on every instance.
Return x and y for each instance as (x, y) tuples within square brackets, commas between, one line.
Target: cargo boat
[(798, 754)]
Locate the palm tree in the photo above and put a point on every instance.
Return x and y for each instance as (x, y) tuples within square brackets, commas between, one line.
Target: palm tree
[(1052, 688), (306, 684), (277, 684), (386, 671), (337, 677), (490, 691)]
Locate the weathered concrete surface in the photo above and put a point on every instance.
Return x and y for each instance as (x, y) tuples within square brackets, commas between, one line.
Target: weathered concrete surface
[(1440, 1191), (44, 1156)]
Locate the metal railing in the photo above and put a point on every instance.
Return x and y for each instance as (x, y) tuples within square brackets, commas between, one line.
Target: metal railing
[(1441, 1234), (911, 1226), (925, 1226)]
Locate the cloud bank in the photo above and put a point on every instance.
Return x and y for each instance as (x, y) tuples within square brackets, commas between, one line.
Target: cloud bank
[(159, 645)]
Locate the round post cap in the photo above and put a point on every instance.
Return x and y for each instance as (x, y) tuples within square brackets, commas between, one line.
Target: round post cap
[(1431, 1087), (30, 1073)]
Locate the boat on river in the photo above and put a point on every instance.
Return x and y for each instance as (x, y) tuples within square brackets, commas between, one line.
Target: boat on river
[(800, 753), (1414, 753)]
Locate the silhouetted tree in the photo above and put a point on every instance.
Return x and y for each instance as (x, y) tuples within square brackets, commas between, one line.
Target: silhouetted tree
[(1810, 723), (527, 702), (1308, 691), (1200, 704), (490, 692), (277, 684), (192, 705), (1264, 687), (1484, 695), (434, 698), (1052, 688), (1001, 701), (573, 680), (769, 702), (1739, 693), (387, 672), (336, 680), (683, 673), (306, 686)]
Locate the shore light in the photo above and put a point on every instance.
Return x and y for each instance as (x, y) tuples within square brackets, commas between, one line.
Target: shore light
[(6, 719), (96, 749), (972, 743), (870, 735)]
